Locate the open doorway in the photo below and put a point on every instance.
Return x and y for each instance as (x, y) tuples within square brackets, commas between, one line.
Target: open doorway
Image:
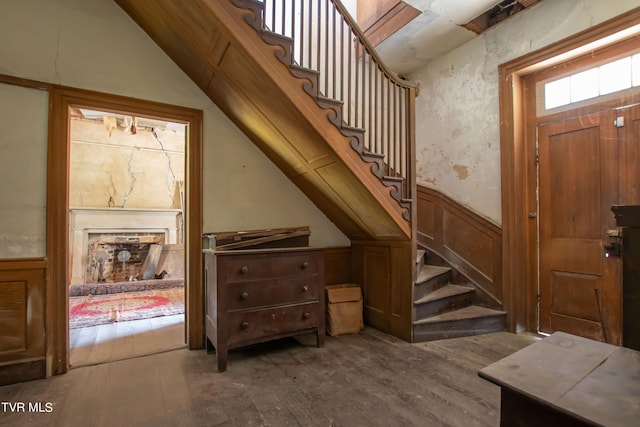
[(126, 217), (62, 102)]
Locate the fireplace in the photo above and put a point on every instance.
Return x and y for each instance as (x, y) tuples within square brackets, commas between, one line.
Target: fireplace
[(110, 244), (118, 257)]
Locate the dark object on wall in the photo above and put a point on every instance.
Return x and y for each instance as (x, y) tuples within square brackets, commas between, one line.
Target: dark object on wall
[(628, 217)]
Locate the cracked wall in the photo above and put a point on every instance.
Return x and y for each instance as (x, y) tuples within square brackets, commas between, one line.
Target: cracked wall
[(457, 112), (96, 46), (111, 168)]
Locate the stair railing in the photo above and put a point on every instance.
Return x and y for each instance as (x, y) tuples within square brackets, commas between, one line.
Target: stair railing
[(374, 100)]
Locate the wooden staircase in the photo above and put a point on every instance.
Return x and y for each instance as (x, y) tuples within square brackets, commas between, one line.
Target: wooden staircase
[(342, 131), (303, 110), (443, 309), (380, 162)]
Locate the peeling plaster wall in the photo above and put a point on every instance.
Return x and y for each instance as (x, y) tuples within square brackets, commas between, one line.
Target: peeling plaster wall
[(457, 113), (116, 169), (95, 45)]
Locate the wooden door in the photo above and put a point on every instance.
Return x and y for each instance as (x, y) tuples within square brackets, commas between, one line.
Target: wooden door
[(629, 134), (376, 287), (580, 288)]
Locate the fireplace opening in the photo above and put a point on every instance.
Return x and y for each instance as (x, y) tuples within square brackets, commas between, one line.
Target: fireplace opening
[(118, 257)]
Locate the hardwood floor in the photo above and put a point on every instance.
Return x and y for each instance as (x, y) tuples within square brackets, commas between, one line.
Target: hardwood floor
[(366, 379), (123, 340)]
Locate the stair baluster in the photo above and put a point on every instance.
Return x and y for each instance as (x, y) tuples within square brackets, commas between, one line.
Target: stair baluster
[(371, 105)]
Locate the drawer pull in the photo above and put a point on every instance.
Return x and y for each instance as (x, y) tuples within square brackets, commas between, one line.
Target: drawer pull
[(305, 265), (306, 315), (244, 325), (244, 295), (244, 269), (305, 288)]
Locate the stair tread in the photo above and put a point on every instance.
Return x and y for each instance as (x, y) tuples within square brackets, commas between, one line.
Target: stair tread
[(430, 271), (420, 255), (470, 312), (444, 292)]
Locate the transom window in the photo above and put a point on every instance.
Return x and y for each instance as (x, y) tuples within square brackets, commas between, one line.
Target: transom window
[(607, 78)]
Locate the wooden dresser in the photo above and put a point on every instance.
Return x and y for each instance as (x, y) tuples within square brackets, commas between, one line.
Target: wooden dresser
[(257, 295)]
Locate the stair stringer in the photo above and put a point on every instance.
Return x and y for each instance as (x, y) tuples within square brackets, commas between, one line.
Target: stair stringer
[(231, 63), (311, 87)]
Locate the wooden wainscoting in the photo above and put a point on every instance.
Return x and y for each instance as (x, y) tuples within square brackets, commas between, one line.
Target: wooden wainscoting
[(384, 269), (470, 243), (22, 320), (337, 266)]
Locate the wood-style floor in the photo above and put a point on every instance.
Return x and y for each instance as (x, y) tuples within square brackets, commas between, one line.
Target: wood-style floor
[(366, 379), (123, 340)]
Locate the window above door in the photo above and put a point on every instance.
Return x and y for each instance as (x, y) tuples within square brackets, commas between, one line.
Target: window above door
[(611, 77)]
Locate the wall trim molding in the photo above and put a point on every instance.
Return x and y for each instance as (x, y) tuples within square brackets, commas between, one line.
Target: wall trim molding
[(8, 264), (18, 81)]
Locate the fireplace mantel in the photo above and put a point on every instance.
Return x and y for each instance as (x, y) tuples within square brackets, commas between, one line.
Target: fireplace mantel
[(84, 221)]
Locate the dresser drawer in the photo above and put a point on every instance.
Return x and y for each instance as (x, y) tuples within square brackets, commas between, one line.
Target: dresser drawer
[(287, 290), (257, 267), (248, 325), (259, 295)]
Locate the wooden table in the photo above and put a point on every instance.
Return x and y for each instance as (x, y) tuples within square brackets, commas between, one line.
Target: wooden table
[(570, 381)]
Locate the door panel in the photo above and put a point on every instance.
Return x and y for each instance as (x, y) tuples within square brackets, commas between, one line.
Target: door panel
[(376, 287), (578, 184), (582, 255), (22, 322), (573, 295)]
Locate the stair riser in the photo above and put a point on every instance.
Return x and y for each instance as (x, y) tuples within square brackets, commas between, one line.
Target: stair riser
[(431, 285), (458, 328), (453, 302)]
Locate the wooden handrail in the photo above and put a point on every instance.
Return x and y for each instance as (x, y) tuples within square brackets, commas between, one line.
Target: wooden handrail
[(369, 47), (373, 105)]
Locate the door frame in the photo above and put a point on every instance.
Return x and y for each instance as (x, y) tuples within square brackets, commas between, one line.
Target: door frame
[(518, 174), (57, 222)]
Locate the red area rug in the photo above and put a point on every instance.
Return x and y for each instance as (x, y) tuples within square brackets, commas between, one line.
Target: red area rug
[(93, 310)]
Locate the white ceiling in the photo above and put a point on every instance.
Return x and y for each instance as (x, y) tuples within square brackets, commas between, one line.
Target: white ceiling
[(436, 31)]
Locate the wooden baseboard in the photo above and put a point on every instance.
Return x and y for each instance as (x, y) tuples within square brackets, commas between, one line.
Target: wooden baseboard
[(24, 370)]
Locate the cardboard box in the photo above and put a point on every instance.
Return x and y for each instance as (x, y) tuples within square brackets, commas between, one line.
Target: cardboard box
[(344, 309)]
